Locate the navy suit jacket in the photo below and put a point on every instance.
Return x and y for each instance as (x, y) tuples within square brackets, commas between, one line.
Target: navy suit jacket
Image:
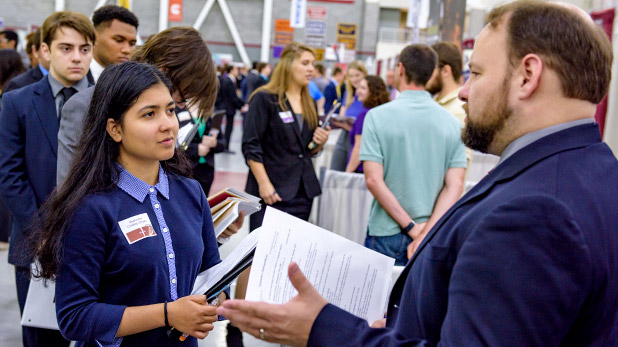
[(28, 154), (528, 257), (31, 76)]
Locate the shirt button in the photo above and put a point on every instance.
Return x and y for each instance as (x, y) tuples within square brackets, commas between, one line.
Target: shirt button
[(164, 230), (300, 156), (151, 190), (171, 255), (174, 280), (156, 205)]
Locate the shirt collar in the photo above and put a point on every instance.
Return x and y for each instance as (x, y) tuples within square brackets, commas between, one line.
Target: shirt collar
[(57, 87), (43, 70), (96, 69), (137, 188), (448, 97), (414, 94), (529, 138)]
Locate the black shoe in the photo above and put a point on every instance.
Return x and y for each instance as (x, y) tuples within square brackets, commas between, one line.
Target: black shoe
[(234, 336)]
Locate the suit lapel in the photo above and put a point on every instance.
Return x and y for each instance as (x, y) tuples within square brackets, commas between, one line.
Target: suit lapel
[(45, 109), (296, 127), (571, 138)]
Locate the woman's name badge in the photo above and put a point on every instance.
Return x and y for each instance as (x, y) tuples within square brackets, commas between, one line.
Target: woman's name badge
[(137, 228), (286, 117)]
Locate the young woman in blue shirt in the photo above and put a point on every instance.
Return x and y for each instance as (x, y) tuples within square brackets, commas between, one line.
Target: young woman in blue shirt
[(127, 233)]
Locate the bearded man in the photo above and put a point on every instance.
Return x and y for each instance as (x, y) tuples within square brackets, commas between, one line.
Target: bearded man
[(528, 257)]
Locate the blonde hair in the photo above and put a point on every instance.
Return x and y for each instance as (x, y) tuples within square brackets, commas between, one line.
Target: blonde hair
[(356, 65), (280, 80)]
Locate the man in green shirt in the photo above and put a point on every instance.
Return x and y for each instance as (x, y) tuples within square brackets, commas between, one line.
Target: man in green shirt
[(414, 160)]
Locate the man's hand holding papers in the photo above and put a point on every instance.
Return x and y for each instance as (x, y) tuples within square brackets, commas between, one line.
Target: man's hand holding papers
[(334, 270), (289, 323)]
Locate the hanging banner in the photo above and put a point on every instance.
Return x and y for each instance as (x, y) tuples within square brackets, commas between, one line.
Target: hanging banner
[(284, 34), (418, 14), (314, 27), (347, 33), (175, 11), (298, 12), (128, 4), (316, 12)]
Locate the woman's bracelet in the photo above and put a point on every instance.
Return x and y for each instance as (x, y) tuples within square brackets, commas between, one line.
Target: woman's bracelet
[(167, 323)]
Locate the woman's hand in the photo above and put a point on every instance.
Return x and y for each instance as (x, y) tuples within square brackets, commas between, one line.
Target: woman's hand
[(320, 136), (268, 193), (192, 315), (209, 141), (202, 150), (235, 226)]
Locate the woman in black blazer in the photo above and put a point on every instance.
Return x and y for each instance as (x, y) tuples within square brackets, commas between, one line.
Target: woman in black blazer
[(281, 122)]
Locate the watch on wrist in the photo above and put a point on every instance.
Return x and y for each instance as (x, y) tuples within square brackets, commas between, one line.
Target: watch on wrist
[(408, 228)]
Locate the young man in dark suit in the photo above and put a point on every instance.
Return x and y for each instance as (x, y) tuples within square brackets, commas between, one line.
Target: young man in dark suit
[(529, 255), (29, 141), (228, 100)]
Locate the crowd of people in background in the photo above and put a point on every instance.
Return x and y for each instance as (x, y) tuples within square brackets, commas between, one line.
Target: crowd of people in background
[(89, 136)]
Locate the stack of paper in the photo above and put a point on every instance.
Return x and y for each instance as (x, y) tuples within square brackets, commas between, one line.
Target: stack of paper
[(214, 280), (347, 274), (227, 204)]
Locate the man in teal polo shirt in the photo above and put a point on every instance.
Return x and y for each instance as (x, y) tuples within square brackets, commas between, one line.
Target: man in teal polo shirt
[(414, 160)]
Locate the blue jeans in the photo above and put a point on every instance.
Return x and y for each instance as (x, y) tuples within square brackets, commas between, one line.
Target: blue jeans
[(395, 246)]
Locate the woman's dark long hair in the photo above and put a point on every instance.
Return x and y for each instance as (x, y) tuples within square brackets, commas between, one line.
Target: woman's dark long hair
[(10, 66), (94, 168)]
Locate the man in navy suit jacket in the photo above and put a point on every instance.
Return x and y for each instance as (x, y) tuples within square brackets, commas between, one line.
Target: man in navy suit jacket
[(528, 257), (29, 141)]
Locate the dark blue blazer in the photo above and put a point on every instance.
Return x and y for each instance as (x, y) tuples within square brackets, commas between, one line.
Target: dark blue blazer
[(31, 76), (330, 95), (28, 154), (528, 257)]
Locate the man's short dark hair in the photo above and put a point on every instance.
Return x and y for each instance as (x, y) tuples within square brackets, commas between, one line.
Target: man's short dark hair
[(260, 66), (337, 70), (228, 68), (11, 36), (104, 16), (34, 39), (418, 61), (449, 54), (320, 68), (577, 50)]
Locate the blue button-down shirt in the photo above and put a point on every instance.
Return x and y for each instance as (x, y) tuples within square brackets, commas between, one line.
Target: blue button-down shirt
[(104, 269)]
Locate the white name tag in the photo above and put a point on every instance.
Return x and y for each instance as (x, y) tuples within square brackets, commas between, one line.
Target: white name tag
[(137, 228), (286, 117), (183, 116)]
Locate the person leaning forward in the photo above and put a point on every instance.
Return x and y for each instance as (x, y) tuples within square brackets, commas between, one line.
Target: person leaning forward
[(528, 256)]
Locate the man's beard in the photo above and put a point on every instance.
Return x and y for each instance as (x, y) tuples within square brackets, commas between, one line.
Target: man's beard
[(436, 86), (479, 135)]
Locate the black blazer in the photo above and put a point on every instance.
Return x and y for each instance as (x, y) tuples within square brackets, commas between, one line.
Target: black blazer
[(281, 147), (192, 149), (226, 97), (26, 78)]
